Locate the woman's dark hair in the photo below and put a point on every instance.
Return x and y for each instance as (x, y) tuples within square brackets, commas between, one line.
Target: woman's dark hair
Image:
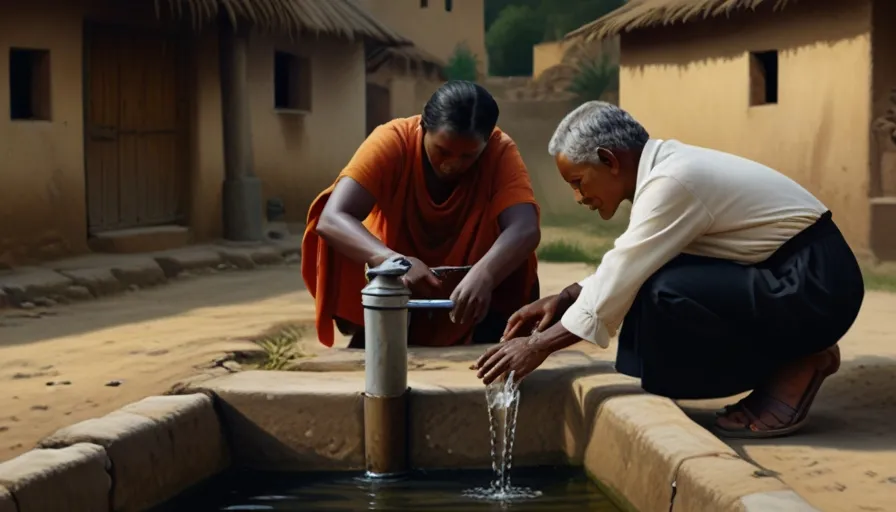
[(463, 108)]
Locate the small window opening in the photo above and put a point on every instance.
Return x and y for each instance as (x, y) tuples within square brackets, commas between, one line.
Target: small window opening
[(424, 4), (292, 82), (764, 78), (29, 84), (449, 5)]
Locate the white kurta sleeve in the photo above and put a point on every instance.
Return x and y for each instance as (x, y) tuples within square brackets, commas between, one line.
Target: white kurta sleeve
[(665, 218)]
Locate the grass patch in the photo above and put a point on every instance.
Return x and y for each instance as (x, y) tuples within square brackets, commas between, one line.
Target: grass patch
[(879, 280), (281, 346), (563, 251), (589, 223)]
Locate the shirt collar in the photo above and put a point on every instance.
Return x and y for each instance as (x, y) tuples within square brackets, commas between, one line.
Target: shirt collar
[(645, 165)]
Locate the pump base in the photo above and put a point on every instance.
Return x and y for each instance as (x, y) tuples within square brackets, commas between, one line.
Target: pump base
[(385, 434)]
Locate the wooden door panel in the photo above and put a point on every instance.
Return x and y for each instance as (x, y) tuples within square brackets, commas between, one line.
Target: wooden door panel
[(135, 167), (158, 161), (100, 132)]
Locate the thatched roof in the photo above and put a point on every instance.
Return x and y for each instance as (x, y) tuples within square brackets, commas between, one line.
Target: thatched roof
[(648, 13), (342, 18), (409, 58)]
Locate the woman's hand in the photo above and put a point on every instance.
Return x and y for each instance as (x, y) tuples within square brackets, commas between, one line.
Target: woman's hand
[(420, 279), (518, 355), (472, 298), (537, 316)]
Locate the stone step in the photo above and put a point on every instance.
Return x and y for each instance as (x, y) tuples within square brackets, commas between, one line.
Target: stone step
[(140, 240), (97, 275)]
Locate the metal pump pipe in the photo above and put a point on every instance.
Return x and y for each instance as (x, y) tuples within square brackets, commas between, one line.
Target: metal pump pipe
[(385, 301)]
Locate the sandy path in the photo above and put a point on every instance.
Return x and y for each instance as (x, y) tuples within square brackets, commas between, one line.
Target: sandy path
[(845, 460), (148, 340)]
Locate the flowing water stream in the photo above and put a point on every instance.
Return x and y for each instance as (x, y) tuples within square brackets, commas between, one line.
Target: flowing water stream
[(502, 399)]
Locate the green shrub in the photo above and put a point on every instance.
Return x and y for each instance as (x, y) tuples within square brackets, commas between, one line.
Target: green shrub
[(593, 78), (463, 64)]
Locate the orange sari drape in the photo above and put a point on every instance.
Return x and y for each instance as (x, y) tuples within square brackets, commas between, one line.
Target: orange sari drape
[(389, 165)]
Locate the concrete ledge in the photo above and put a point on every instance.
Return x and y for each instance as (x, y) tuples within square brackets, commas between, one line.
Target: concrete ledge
[(25, 284), (158, 447), (140, 273), (126, 241), (292, 421), (74, 479), (296, 421), (175, 262), (99, 281), (573, 410), (251, 257), (640, 444)]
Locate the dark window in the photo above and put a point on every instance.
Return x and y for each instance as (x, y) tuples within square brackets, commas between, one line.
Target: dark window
[(292, 82), (449, 4), (29, 84), (424, 4), (764, 78)]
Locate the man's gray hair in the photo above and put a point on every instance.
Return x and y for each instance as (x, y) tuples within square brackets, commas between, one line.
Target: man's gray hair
[(594, 125)]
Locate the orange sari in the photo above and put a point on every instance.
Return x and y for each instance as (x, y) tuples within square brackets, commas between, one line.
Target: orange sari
[(389, 165)]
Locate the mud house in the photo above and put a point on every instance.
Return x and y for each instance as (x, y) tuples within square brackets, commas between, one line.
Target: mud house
[(802, 86), (436, 27), (125, 119), (400, 79)]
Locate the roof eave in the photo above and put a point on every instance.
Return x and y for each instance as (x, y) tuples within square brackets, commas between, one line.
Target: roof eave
[(289, 19)]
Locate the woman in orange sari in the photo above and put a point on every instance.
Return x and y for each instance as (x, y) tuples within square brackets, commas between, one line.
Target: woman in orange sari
[(447, 188)]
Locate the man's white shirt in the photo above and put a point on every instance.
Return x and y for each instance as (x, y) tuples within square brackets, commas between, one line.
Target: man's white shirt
[(696, 201)]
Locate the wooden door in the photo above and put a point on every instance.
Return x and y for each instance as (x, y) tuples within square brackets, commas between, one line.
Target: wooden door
[(134, 133)]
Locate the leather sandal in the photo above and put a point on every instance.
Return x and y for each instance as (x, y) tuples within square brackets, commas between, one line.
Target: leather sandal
[(790, 419)]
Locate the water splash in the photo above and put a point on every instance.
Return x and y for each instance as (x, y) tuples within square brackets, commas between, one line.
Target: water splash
[(502, 399)]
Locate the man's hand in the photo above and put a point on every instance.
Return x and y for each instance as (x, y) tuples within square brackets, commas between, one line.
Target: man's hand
[(518, 355), (537, 316), (542, 313), (472, 298)]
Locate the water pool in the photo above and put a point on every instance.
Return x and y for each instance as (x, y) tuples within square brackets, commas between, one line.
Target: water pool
[(560, 489)]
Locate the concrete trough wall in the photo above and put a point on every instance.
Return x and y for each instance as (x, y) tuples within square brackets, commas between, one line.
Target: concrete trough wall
[(573, 411), (128, 460)]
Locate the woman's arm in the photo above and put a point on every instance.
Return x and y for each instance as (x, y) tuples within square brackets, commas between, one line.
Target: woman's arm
[(340, 224), (520, 235)]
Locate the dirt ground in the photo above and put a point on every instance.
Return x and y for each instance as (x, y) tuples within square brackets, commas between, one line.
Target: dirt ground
[(147, 340), (144, 341)]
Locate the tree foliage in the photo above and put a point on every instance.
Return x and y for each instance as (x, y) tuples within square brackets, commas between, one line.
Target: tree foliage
[(514, 26), (510, 39)]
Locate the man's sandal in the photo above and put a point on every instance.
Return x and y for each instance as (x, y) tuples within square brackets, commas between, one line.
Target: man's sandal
[(789, 418)]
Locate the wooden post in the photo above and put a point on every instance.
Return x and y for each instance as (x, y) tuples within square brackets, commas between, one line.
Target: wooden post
[(242, 197)]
